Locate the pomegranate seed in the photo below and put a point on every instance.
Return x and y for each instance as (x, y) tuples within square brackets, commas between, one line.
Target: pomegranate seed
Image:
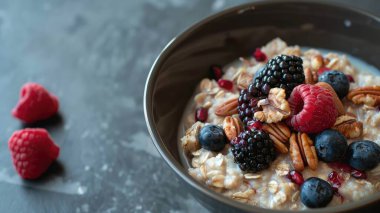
[(216, 72), (322, 70), (350, 78), (295, 177), (358, 174), (201, 114), (225, 84), (254, 125), (335, 179), (343, 167), (259, 55)]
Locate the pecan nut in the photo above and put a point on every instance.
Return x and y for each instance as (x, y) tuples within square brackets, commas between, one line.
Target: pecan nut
[(302, 152), (275, 107), (280, 134), (309, 79), (227, 108), (369, 96), (348, 126), (337, 102), (232, 126)]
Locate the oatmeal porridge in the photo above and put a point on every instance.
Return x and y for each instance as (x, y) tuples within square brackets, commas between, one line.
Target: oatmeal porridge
[(288, 128)]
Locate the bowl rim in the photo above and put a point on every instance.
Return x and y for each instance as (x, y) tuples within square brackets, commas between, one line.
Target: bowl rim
[(164, 152)]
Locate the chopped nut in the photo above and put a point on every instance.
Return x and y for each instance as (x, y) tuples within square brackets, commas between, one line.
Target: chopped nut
[(227, 108), (369, 96), (275, 107), (309, 76), (273, 186), (337, 102), (316, 62), (302, 152), (280, 134), (348, 126), (232, 126), (190, 141)]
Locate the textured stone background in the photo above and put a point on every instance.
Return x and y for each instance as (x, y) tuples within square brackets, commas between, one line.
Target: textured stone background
[(95, 55)]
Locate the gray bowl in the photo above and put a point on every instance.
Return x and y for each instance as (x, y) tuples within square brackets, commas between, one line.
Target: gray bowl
[(235, 32)]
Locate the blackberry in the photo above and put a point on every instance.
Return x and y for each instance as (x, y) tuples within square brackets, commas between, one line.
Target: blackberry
[(248, 99), (253, 150), (283, 71)]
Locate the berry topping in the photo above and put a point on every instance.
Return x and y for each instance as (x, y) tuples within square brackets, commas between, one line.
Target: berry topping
[(225, 84), (32, 152), (316, 193), (312, 109), (259, 55), (283, 72), (254, 125), (335, 180), (331, 146), (201, 114), (337, 80), (363, 155), (35, 104), (212, 137), (248, 100), (216, 72), (350, 78), (343, 167), (295, 177), (358, 174), (253, 150)]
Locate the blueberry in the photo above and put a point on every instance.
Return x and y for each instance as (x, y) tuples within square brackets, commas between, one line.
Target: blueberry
[(212, 138), (316, 193), (337, 80), (363, 155), (331, 146)]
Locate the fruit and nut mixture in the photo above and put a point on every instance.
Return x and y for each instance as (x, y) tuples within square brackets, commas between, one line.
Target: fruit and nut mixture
[(286, 128)]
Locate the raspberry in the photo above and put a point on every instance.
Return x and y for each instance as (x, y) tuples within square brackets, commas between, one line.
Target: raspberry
[(32, 152), (35, 104), (313, 109)]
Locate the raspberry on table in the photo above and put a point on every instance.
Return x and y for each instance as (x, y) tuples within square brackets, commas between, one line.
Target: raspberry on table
[(313, 109), (32, 151), (35, 104)]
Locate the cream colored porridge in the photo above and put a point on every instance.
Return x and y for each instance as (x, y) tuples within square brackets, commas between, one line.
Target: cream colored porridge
[(270, 187)]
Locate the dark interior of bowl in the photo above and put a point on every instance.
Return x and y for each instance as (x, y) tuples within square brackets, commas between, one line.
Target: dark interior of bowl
[(233, 33)]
